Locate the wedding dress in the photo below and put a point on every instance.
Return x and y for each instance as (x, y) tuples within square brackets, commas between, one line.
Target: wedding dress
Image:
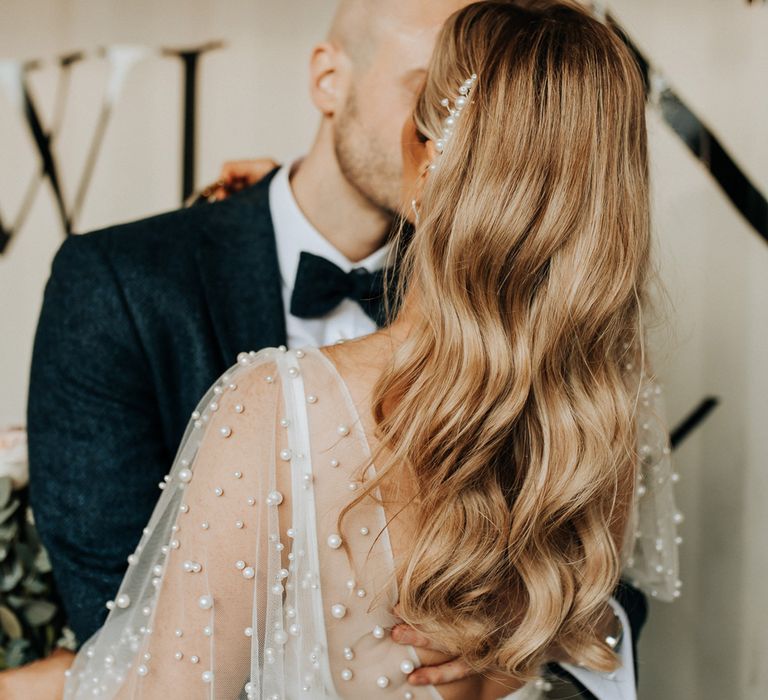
[(242, 586)]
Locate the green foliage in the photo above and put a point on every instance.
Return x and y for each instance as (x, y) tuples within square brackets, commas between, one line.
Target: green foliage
[(31, 618)]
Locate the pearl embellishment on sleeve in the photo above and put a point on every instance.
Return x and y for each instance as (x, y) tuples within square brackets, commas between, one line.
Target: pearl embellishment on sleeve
[(338, 610)]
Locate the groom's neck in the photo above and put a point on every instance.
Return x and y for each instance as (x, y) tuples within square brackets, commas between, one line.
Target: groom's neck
[(350, 222)]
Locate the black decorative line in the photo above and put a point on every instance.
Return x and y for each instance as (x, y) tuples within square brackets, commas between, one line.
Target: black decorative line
[(43, 142), (705, 146), (190, 61), (692, 421)]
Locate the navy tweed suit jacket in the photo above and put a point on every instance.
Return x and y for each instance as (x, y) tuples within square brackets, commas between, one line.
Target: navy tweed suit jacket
[(138, 320)]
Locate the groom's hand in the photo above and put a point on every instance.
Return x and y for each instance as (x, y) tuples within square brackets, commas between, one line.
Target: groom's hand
[(40, 679)]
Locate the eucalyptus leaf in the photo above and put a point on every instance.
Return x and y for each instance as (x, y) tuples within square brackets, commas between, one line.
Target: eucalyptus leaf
[(40, 612), (10, 575), (42, 562), (8, 531), (8, 511), (17, 653), (10, 623), (6, 489)]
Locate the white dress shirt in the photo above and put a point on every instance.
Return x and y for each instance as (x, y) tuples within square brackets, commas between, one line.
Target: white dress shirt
[(294, 234)]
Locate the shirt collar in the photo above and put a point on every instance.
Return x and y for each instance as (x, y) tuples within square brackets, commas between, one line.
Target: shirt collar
[(294, 234)]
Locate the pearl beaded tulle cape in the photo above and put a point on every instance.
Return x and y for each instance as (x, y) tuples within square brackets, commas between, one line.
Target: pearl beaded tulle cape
[(243, 588)]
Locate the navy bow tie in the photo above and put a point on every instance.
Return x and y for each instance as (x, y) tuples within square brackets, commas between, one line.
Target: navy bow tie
[(321, 286)]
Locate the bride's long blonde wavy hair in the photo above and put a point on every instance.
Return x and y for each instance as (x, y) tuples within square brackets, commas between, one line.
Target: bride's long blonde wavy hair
[(510, 404)]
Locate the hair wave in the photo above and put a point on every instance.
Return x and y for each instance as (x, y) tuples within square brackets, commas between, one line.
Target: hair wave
[(510, 404)]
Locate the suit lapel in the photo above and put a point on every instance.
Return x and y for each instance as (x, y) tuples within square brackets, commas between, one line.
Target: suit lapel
[(240, 274)]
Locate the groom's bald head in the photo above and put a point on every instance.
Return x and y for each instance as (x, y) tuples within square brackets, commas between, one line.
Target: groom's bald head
[(377, 53)]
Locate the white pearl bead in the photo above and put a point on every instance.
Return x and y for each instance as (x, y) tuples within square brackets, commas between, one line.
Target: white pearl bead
[(207, 676), (382, 681), (238, 475), (274, 498), (342, 430), (277, 589), (213, 406), (248, 631), (205, 602), (294, 629), (205, 525), (185, 475), (269, 379), (123, 600), (239, 408), (280, 637), (299, 354), (184, 508), (239, 564), (218, 491), (208, 631), (293, 371), (338, 610), (351, 584), (379, 632), (179, 634), (248, 572), (178, 656), (334, 541), (406, 666), (110, 605), (239, 524), (290, 532), (194, 659), (225, 431), (364, 530), (285, 455), (361, 592), (334, 462), (251, 501), (142, 670), (284, 422), (346, 674), (311, 398), (348, 653), (352, 486), (408, 695)]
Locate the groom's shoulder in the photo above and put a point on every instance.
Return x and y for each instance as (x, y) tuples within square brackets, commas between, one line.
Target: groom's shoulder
[(179, 233)]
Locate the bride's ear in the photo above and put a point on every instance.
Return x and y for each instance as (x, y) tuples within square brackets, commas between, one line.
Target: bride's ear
[(430, 155)]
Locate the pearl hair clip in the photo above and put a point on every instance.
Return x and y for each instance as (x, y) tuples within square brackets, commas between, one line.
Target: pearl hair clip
[(454, 112)]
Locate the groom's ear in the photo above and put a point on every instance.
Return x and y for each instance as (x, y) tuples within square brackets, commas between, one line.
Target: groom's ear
[(328, 76)]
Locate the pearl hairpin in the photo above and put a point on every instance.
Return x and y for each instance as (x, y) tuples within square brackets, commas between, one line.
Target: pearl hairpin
[(454, 112)]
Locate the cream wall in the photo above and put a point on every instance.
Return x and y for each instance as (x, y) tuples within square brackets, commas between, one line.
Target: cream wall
[(712, 643)]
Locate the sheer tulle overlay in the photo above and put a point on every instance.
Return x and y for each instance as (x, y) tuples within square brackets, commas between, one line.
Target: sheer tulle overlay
[(242, 587)]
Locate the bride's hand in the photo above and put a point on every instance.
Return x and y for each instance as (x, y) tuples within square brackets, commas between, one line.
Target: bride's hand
[(236, 175), (452, 670)]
